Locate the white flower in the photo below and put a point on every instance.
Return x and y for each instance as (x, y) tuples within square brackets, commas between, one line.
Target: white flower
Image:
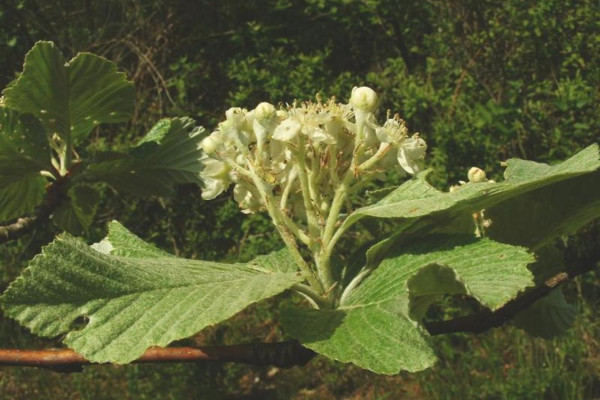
[(410, 151), (264, 120), (287, 130), (263, 144), (393, 131), (265, 112), (247, 200), (235, 114), (215, 177), (212, 142)]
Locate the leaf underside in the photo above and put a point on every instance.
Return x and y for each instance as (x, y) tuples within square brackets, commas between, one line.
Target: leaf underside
[(130, 303), (377, 326), (417, 199)]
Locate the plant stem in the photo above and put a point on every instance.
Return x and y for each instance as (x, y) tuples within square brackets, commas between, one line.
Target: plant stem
[(311, 217), (286, 191), (317, 300), (287, 236)]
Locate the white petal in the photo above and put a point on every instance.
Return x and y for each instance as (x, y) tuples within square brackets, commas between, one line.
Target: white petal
[(287, 130), (382, 135), (318, 135), (260, 131), (213, 188), (409, 152)]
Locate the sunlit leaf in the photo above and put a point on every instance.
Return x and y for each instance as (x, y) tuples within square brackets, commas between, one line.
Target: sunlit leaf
[(376, 326), (70, 98), (416, 206), (130, 303)]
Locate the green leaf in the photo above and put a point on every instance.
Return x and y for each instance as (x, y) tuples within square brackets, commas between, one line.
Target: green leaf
[(24, 147), (416, 199), (374, 337), (20, 194), (277, 261), (551, 315), (548, 317), (168, 155), (536, 218), (420, 209), (130, 303), (121, 242), (76, 214), (70, 98), (374, 326), (24, 152)]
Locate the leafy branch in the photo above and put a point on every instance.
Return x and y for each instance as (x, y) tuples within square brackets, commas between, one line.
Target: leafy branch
[(45, 116), (492, 241), (290, 353)]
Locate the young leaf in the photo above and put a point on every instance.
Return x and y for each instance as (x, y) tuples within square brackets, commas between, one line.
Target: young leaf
[(24, 146), (168, 155), (76, 214), (373, 327), (130, 303), (70, 98)]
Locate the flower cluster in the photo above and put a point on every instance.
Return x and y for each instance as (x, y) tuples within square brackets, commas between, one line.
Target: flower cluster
[(299, 155)]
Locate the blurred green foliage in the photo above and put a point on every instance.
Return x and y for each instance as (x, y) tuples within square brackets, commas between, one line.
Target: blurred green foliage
[(482, 80)]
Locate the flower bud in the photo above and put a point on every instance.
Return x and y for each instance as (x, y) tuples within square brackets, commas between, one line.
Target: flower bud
[(264, 111), (234, 114), (476, 175), (210, 143), (364, 99)]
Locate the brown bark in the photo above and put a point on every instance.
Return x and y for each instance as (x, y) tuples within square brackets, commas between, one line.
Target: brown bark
[(283, 354)]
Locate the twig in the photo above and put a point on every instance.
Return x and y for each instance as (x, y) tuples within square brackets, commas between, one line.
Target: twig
[(283, 354)]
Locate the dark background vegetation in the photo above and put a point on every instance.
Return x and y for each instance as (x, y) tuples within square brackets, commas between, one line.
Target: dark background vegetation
[(482, 80)]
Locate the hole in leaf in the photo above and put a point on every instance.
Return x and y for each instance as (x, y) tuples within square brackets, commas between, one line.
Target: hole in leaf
[(79, 323)]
